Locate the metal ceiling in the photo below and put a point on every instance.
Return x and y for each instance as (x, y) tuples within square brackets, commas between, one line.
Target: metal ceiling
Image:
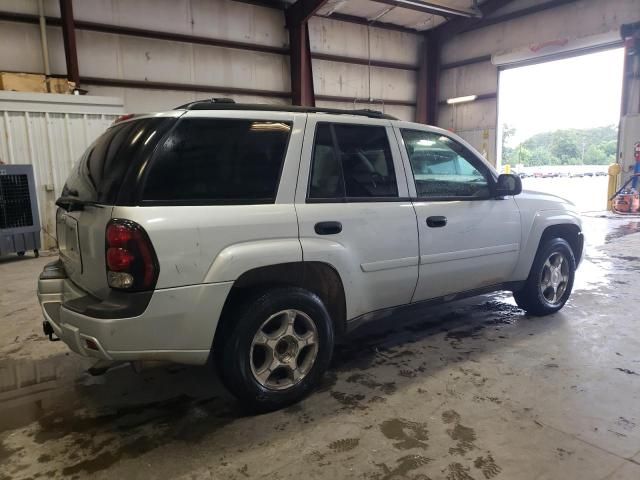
[(419, 15)]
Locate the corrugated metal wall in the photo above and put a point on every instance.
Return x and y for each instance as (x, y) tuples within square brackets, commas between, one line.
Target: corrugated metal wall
[(123, 57), (51, 137), (364, 82)]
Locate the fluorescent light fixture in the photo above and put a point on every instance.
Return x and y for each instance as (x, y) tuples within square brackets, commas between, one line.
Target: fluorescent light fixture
[(469, 98), (426, 143)]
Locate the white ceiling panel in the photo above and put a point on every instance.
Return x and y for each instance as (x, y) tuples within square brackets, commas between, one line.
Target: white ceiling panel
[(403, 17)]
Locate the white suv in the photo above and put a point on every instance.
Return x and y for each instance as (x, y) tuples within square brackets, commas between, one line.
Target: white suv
[(257, 235)]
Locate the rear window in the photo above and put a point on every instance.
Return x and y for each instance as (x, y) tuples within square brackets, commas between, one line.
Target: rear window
[(224, 161), (101, 171)]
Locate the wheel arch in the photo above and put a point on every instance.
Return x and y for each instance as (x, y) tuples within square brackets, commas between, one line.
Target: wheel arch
[(546, 225), (317, 277), (569, 232)]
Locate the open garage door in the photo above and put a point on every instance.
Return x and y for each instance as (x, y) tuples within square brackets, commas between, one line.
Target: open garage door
[(558, 124)]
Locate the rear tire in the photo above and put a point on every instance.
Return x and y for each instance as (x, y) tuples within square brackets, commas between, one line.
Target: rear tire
[(274, 349), (20, 254), (551, 279)]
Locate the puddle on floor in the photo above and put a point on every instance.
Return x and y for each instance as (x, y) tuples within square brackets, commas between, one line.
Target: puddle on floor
[(58, 387), (623, 230)]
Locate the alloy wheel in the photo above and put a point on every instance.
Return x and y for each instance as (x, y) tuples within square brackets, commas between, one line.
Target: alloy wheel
[(554, 278), (284, 349)]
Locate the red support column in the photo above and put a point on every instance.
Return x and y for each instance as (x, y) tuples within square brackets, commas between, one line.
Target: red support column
[(69, 39), (301, 69), (297, 16), (428, 80)]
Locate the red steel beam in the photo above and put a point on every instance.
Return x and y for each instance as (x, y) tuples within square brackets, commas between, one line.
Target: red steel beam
[(365, 101), (300, 52), (422, 103), (302, 10), (363, 61), (69, 40), (183, 87), (302, 92), (428, 80), (433, 83)]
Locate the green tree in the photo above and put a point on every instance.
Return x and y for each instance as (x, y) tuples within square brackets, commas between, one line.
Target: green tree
[(595, 156), (594, 146)]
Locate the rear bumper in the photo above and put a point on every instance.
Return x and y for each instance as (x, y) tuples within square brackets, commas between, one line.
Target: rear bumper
[(176, 324)]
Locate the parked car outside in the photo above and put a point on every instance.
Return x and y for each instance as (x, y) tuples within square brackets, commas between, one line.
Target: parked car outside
[(257, 236)]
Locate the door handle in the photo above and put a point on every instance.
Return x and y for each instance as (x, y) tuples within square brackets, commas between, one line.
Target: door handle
[(436, 222), (328, 228)]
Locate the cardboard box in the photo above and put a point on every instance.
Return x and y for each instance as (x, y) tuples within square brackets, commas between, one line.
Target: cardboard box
[(60, 85), (22, 82)]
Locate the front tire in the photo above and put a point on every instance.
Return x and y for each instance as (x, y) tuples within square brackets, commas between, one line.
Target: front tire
[(274, 350), (550, 281)]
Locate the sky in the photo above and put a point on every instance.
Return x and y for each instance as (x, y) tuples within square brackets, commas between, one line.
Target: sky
[(579, 92)]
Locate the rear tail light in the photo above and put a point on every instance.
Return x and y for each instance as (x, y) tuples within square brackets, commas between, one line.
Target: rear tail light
[(131, 261)]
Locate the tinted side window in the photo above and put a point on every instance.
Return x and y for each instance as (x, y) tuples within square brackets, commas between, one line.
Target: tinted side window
[(99, 174), (219, 161), (352, 161), (326, 171), (444, 168)]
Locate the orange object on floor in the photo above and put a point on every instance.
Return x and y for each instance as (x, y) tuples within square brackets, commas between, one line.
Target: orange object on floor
[(627, 203), (622, 203)]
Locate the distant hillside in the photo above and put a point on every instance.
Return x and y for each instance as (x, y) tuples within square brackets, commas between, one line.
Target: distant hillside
[(594, 146)]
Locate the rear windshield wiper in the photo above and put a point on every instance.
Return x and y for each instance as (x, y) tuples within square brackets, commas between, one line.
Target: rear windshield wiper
[(71, 203)]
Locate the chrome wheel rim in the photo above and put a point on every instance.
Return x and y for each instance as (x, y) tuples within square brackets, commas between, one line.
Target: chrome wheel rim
[(554, 278), (284, 349)]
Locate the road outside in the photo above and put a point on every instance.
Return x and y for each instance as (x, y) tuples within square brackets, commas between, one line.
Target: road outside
[(589, 194)]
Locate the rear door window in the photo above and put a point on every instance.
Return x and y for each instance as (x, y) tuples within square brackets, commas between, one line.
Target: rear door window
[(352, 162), (224, 161)]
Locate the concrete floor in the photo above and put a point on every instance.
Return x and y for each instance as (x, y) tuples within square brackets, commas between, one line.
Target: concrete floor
[(471, 390)]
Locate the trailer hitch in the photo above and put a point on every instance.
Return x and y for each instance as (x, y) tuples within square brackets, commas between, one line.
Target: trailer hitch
[(48, 331)]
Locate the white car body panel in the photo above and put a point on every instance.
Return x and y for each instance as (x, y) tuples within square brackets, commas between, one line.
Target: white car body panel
[(478, 247), (538, 212), (196, 244), (376, 254)]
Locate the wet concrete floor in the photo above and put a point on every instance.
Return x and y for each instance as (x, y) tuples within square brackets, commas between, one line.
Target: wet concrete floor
[(470, 390)]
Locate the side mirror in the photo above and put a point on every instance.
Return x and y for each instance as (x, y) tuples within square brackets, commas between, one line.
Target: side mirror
[(508, 185)]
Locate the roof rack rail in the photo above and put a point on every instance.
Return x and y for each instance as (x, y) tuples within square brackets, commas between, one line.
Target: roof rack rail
[(229, 104)]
